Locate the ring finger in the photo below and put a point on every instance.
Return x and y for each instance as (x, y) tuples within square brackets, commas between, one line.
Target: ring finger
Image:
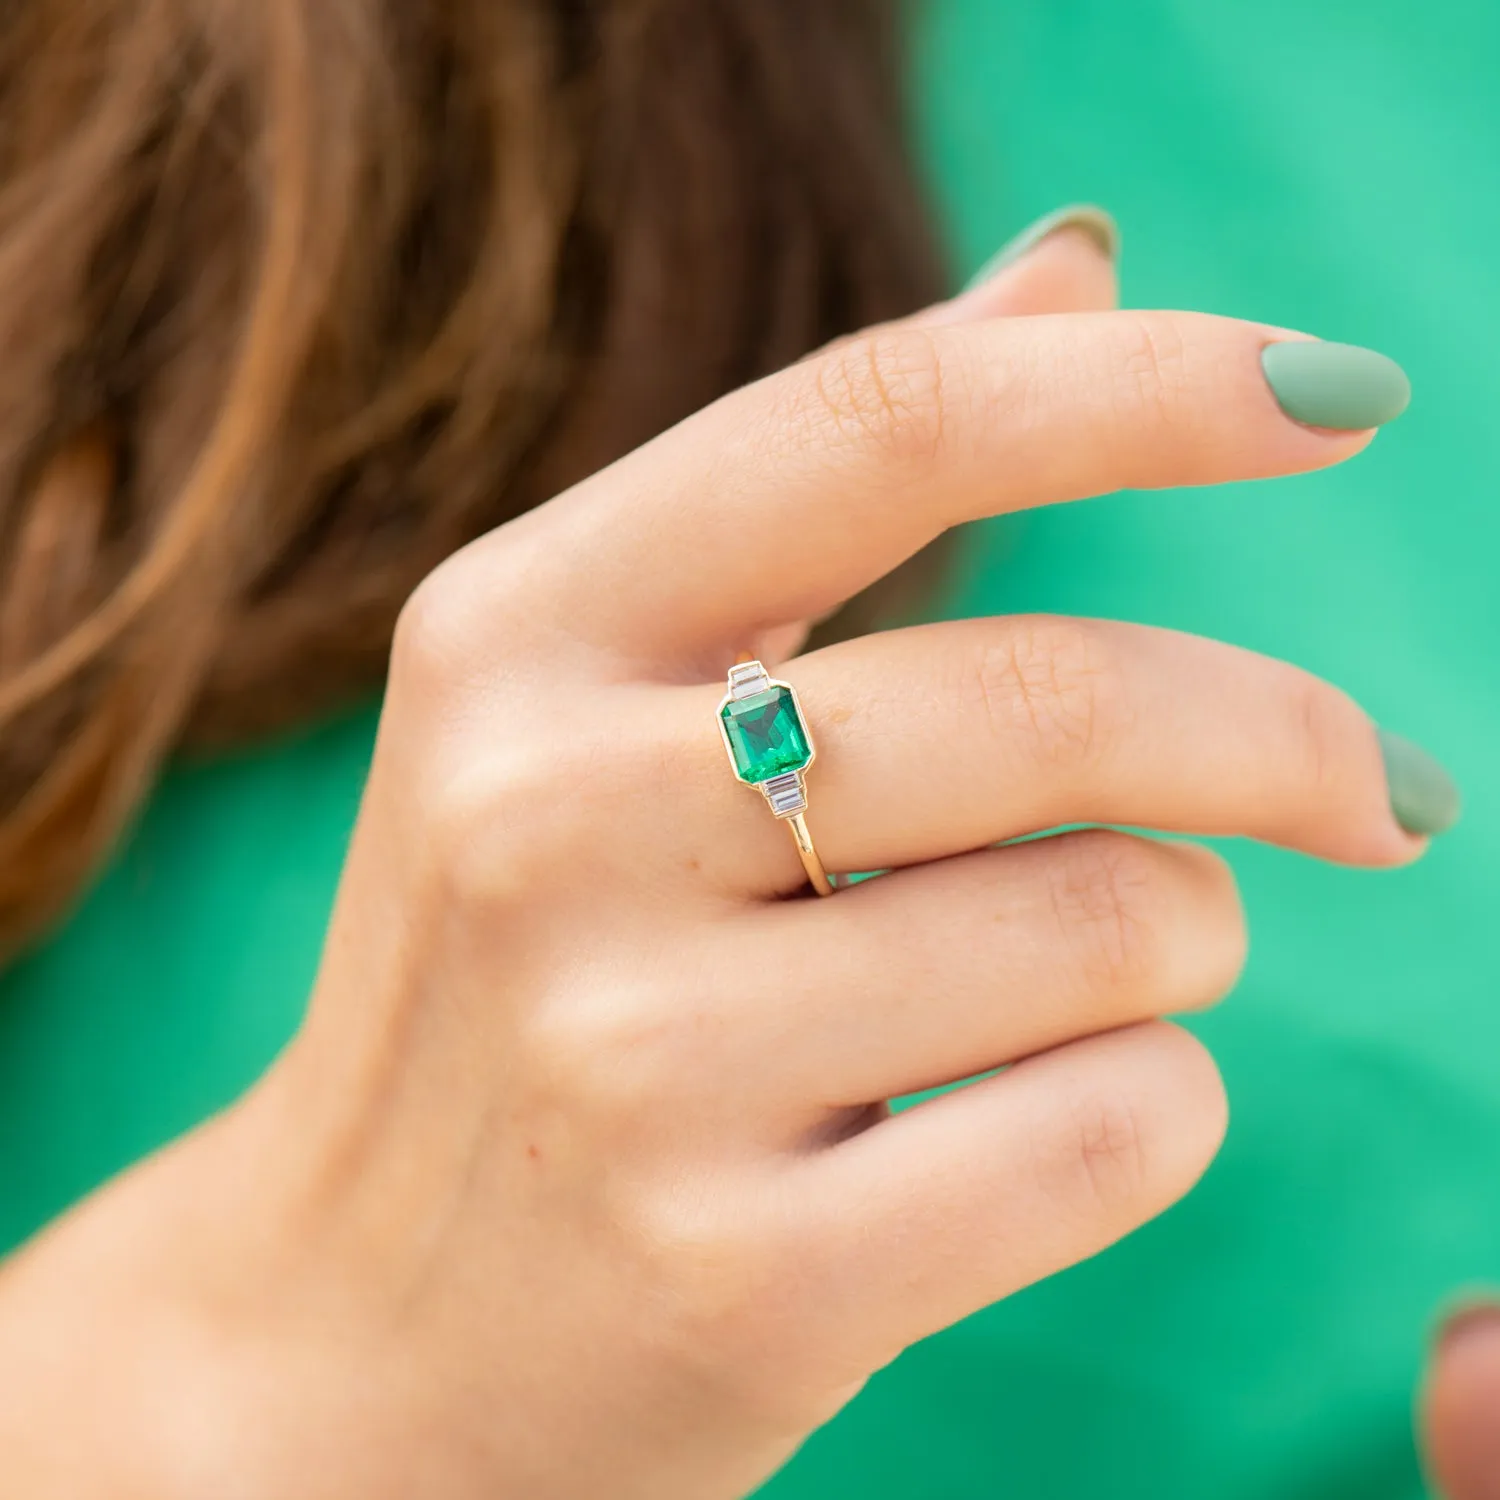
[(947, 738)]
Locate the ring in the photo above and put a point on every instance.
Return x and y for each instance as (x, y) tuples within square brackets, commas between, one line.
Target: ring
[(770, 749)]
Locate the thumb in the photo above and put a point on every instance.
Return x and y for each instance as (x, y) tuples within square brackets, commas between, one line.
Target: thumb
[(1460, 1406), (1065, 262)]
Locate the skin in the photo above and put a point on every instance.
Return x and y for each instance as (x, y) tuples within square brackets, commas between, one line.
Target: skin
[(1460, 1406), (578, 1179)]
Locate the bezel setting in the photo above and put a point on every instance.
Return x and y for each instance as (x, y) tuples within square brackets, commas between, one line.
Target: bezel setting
[(785, 792)]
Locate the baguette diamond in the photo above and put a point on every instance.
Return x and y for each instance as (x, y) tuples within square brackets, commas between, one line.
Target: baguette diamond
[(786, 794)]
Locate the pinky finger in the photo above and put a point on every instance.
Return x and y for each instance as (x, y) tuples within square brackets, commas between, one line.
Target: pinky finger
[(963, 1200)]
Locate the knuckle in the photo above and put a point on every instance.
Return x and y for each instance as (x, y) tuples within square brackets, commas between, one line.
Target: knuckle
[(602, 1066), (1108, 1150), (1155, 368), (1105, 891), (1133, 1136), (1318, 718), (713, 1276), (1048, 680), (503, 824), (446, 631), (884, 390), (718, 1285), (464, 831), (431, 633), (720, 1299)]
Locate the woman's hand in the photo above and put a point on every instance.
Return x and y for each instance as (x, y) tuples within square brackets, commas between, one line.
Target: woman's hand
[(579, 1180)]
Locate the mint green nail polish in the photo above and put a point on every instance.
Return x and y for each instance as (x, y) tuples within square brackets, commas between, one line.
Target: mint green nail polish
[(1093, 221), (1335, 385), (1424, 797)]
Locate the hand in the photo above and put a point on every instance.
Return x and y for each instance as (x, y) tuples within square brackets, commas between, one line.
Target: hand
[(1461, 1406), (579, 1179)]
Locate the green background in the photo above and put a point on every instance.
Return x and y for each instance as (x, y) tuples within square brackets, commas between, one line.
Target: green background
[(1329, 166)]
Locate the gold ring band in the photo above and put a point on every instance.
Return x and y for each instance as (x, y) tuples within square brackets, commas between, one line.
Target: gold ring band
[(770, 748), (817, 876)]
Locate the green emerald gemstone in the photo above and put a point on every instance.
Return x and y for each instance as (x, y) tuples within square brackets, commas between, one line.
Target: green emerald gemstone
[(766, 735)]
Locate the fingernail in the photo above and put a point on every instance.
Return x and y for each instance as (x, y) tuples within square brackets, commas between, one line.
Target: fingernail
[(1093, 221), (1335, 385), (1424, 797), (1473, 1314)]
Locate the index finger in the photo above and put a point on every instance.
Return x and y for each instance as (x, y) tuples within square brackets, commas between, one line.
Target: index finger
[(793, 494)]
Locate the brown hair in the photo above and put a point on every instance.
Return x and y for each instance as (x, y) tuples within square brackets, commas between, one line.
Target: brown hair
[(298, 296)]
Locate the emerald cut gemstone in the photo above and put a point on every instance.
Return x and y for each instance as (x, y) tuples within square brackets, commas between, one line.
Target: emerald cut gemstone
[(766, 735)]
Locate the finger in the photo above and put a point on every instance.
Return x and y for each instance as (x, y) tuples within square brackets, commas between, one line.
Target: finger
[(1461, 1407), (1071, 270), (948, 737), (939, 973), (795, 493), (1070, 267), (945, 1208)]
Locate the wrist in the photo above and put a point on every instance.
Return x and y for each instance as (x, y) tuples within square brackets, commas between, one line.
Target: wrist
[(180, 1334)]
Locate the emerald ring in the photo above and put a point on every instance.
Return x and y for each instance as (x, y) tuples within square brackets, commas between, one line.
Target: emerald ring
[(770, 749)]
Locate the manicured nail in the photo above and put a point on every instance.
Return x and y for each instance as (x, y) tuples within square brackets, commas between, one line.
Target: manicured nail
[(1335, 385), (1093, 221), (1424, 797), (1474, 1314)]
